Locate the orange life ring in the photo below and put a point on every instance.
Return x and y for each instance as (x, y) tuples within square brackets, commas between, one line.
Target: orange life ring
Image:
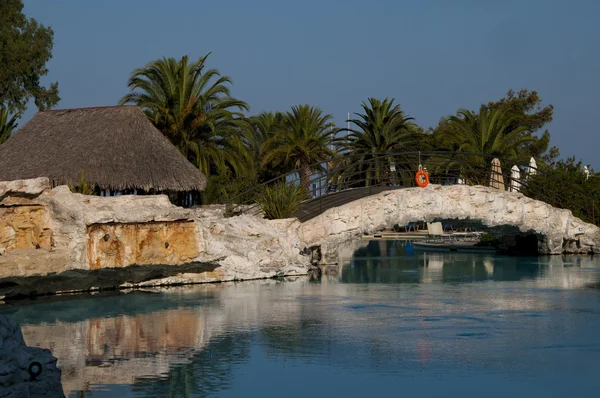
[(422, 178)]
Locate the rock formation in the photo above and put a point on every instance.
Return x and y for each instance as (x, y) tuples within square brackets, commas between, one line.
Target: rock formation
[(53, 233), (25, 371)]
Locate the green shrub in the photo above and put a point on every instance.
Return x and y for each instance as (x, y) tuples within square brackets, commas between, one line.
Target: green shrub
[(281, 200), (82, 186)]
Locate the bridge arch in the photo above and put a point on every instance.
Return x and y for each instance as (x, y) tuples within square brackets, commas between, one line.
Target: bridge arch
[(558, 230)]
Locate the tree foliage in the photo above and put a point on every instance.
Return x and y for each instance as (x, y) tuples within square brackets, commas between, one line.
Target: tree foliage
[(490, 132), (7, 124), (522, 111), (259, 130), (193, 107), (302, 140), (383, 127), (564, 184), (25, 48), (526, 107)]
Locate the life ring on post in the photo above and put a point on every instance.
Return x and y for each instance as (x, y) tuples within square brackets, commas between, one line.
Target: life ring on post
[(422, 178)]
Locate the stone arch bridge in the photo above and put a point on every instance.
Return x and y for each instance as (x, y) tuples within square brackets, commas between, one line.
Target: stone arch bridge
[(558, 230), (354, 195)]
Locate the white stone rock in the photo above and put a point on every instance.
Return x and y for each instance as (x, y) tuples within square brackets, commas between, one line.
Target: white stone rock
[(32, 187)]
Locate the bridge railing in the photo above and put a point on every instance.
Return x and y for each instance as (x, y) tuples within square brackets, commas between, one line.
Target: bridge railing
[(377, 172)]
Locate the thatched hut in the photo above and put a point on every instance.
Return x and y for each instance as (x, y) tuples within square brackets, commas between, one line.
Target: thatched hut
[(117, 148)]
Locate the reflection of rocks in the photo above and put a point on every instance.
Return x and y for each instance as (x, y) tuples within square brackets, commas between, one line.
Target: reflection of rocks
[(556, 272), (120, 349), (118, 344), (25, 371)]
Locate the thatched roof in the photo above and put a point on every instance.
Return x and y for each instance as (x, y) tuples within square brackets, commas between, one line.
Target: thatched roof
[(117, 147)]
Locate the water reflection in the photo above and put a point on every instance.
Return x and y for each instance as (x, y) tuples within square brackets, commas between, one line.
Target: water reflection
[(430, 320), (397, 262)]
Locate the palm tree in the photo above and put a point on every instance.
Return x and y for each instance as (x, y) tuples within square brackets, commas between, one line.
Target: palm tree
[(382, 128), (260, 129), (301, 141), (488, 134), (192, 107), (7, 125), (491, 132)]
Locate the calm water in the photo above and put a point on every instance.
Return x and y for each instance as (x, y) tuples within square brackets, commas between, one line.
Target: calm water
[(391, 321)]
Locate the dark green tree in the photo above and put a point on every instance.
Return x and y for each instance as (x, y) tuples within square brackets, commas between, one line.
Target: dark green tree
[(564, 184), (7, 124), (261, 129), (302, 141), (490, 132), (383, 127), (528, 111), (25, 48), (193, 107)]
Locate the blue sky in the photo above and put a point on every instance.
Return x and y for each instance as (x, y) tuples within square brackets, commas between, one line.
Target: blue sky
[(433, 56)]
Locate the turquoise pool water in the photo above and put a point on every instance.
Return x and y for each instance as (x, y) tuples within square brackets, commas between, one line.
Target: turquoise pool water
[(390, 321)]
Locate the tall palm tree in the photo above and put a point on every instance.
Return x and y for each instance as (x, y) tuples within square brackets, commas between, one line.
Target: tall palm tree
[(303, 140), (260, 129), (192, 106), (491, 132), (7, 125), (485, 135), (382, 128)]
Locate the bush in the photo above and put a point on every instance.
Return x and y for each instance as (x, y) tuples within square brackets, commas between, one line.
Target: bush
[(82, 186), (281, 200)]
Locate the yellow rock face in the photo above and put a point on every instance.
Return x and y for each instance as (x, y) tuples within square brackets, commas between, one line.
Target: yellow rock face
[(24, 227), (120, 245)]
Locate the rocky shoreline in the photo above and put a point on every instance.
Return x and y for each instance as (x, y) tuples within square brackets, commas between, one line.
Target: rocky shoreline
[(107, 279)]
